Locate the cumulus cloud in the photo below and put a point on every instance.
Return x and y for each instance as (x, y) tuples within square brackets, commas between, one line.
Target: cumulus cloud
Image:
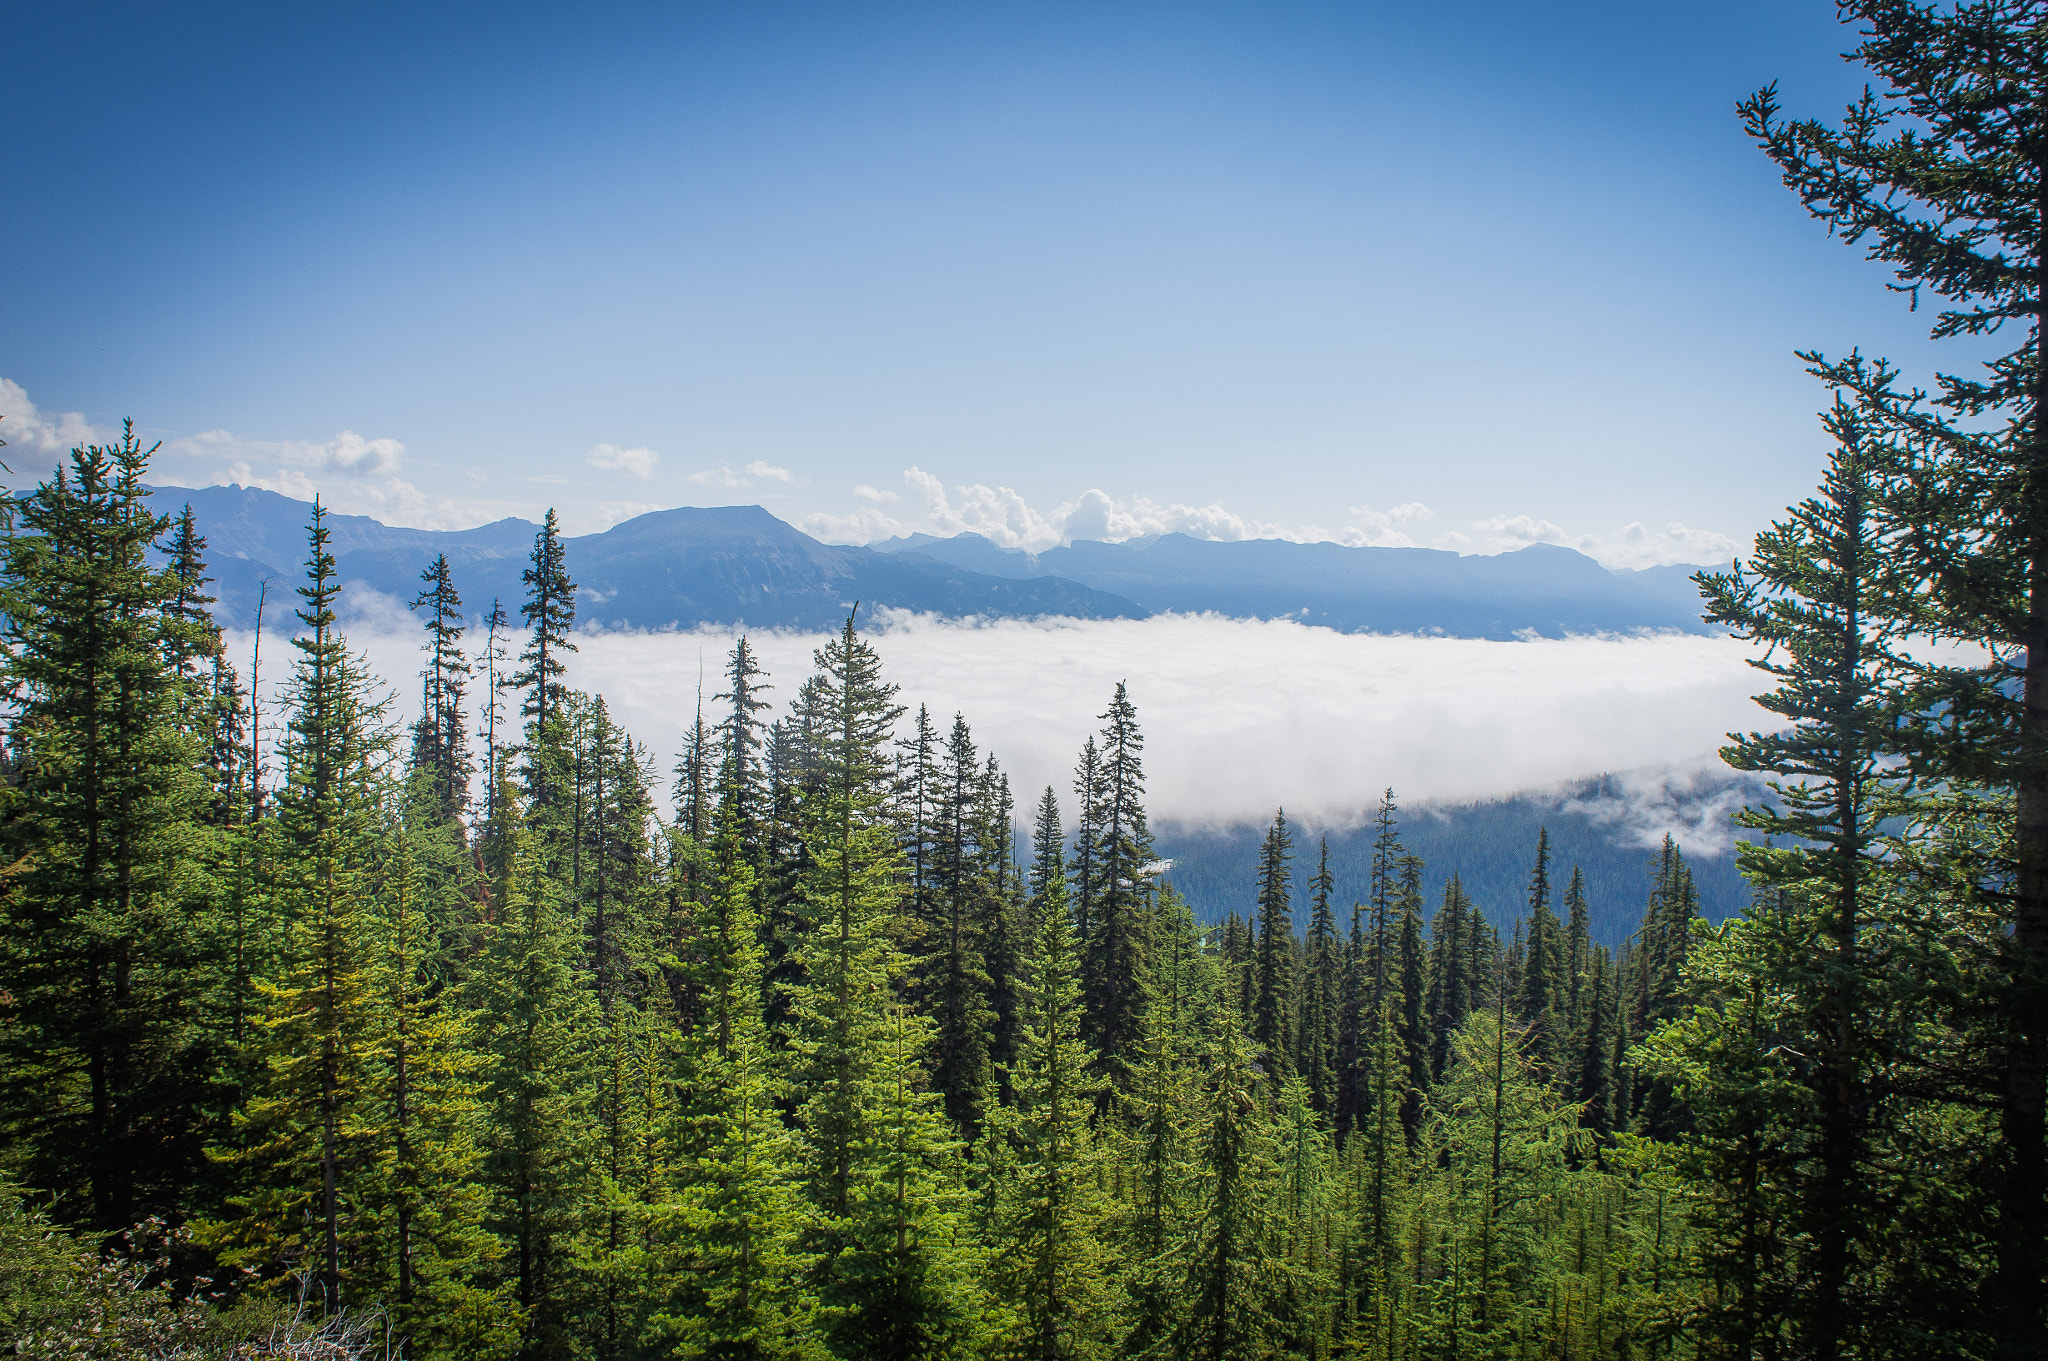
[(26, 429), (864, 524), (1632, 546), (1002, 515), (1378, 528), (632, 462), (733, 479)]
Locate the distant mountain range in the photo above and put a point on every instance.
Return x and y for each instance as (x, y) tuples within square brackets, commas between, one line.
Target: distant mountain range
[(1544, 589), (741, 565)]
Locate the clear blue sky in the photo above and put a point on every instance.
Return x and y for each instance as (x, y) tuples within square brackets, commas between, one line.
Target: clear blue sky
[(1236, 268)]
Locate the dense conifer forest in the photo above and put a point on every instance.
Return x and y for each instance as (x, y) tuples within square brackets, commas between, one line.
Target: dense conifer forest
[(479, 1036)]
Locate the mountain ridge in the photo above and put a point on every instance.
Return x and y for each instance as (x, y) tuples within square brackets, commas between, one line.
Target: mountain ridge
[(740, 565)]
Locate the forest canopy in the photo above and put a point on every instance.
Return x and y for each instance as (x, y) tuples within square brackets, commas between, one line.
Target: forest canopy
[(478, 1036)]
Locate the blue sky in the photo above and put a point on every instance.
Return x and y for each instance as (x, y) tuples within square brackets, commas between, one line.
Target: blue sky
[(1460, 274)]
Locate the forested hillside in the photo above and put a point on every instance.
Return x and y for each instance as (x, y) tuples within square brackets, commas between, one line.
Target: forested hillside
[(320, 1036), (1489, 847)]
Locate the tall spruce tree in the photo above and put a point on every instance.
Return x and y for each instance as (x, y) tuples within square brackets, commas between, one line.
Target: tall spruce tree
[(1275, 966), (1813, 592), (1938, 171), (549, 612), (1118, 872), (1323, 990), (101, 1075), (440, 741)]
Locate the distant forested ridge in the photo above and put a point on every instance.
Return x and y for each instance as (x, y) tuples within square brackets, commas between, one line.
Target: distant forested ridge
[(326, 1036), (740, 566)]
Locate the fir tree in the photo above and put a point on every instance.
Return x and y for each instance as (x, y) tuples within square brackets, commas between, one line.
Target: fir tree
[(1323, 991), (440, 742), (1275, 967), (1051, 1213), (549, 612), (533, 1027), (101, 1078), (1541, 997), (1115, 953), (1937, 171), (734, 1233)]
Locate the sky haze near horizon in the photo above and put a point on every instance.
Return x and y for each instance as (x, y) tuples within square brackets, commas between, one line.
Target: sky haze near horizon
[(1470, 275)]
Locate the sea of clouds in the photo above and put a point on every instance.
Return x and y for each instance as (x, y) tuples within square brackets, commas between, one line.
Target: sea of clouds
[(1239, 716)]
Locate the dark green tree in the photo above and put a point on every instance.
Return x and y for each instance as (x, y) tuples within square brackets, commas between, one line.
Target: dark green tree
[(1275, 966), (1937, 170), (102, 1070), (550, 613)]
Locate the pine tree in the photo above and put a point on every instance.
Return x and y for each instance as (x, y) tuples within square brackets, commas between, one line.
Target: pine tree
[(733, 1235), (1937, 169), (300, 1155), (495, 682), (1323, 991), (851, 966), (957, 982), (1450, 980), (1231, 1263), (902, 1279), (1541, 997), (549, 612), (423, 1198), (533, 1027), (193, 636), (440, 742), (1809, 593), (1411, 1017), (99, 1073), (1270, 1011), (1051, 1213)]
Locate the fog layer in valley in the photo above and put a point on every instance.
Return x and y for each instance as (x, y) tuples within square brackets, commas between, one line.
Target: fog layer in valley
[(1239, 716)]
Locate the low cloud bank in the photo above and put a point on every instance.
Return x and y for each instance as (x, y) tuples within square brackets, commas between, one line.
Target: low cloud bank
[(1241, 716)]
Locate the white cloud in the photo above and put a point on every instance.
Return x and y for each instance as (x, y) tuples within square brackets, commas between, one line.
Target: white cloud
[(1378, 528), (347, 454), (633, 462), (875, 494), (864, 524), (1241, 716), (733, 479), (722, 476), (1633, 546), (26, 429)]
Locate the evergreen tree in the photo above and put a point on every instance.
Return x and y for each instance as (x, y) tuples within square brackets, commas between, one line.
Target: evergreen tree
[(549, 612), (102, 1073), (1323, 991), (1450, 980), (1118, 886), (1937, 170), (1275, 967), (533, 1027), (957, 983), (440, 741), (300, 1156), (1232, 1265), (1051, 1213), (742, 797), (1541, 997), (734, 1234), (1809, 594), (427, 1251)]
